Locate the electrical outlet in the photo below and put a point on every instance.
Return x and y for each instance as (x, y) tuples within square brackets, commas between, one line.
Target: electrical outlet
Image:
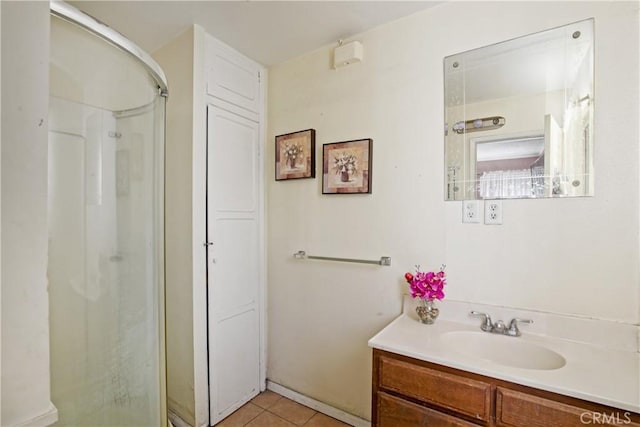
[(493, 212), (471, 211)]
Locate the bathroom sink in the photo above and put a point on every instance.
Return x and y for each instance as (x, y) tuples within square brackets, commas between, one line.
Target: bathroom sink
[(504, 350)]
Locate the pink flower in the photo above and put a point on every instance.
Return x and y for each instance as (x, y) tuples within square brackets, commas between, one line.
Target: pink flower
[(427, 285)]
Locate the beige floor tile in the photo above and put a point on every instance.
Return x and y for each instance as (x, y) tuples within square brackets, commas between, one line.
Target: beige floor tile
[(242, 416), (292, 411), (266, 399), (321, 420), (267, 419)]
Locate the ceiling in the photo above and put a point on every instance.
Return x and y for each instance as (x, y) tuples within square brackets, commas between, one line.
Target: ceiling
[(269, 32)]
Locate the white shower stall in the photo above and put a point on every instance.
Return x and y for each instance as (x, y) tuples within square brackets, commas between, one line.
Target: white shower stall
[(105, 221)]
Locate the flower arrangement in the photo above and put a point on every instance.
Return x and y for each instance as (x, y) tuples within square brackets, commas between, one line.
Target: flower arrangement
[(345, 163), (293, 152), (427, 285)]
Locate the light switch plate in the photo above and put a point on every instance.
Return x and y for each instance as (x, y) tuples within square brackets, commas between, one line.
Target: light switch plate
[(471, 211)]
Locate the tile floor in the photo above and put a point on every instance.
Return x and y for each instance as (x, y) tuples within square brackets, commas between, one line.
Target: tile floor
[(269, 409)]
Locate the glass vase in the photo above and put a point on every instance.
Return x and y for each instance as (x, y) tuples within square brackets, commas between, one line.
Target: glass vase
[(427, 311)]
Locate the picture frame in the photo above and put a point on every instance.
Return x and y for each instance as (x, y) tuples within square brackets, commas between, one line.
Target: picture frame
[(346, 167), (296, 155)]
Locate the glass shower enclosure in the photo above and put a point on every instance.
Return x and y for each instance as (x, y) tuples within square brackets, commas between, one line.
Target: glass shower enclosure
[(105, 212)]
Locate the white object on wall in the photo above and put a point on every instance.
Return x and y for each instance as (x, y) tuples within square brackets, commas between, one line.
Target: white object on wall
[(471, 211), (347, 54), (493, 212)]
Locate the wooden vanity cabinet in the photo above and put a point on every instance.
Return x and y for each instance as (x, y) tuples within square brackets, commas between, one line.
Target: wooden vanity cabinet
[(397, 412), (412, 393)]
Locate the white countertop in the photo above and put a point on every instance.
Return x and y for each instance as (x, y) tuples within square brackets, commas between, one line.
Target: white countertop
[(595, 373)]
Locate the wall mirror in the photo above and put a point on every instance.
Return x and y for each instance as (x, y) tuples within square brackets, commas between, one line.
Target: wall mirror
[(519, 117)]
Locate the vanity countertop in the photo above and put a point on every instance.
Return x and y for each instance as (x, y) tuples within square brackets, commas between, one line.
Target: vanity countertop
[(606, 375)]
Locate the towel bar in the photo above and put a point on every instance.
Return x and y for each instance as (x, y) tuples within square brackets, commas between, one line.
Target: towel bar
[(384, 261)]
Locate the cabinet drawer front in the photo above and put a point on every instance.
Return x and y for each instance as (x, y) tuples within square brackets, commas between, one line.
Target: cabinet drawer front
[(515, 409), (463, 395), (395, 412)]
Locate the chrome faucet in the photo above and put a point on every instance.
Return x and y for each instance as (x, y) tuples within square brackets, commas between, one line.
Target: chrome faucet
[(486, 326), (499, 327), (513, 330)]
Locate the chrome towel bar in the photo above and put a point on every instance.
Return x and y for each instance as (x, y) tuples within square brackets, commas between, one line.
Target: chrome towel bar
[(384, 261)]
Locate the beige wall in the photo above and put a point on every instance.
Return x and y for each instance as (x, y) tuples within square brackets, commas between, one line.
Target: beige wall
[(576, 257), (182, 60), (176, 59), (25, 308)]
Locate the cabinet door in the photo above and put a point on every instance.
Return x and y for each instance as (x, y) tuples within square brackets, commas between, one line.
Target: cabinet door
[(515, 409), (396, 412), (453, 392), (233, 80)]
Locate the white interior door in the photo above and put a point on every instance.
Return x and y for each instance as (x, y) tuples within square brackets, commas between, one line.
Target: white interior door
[(234, 264)]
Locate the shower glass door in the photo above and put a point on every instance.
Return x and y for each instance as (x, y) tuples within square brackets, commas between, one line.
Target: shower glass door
[(105, 205)]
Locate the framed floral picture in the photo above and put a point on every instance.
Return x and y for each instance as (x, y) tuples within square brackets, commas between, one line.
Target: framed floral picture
[(346, 167), (296, 155)]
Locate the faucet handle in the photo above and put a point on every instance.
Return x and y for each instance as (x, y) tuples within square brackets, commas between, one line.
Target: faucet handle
[(486, 326), (513, 326)]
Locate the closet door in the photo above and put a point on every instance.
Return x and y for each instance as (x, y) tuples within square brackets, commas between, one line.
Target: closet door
[(233, 81), (233, 260)]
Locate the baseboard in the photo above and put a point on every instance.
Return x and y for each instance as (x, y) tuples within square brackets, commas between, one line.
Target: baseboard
[(336, 413), (176, 421), (46, 419)]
